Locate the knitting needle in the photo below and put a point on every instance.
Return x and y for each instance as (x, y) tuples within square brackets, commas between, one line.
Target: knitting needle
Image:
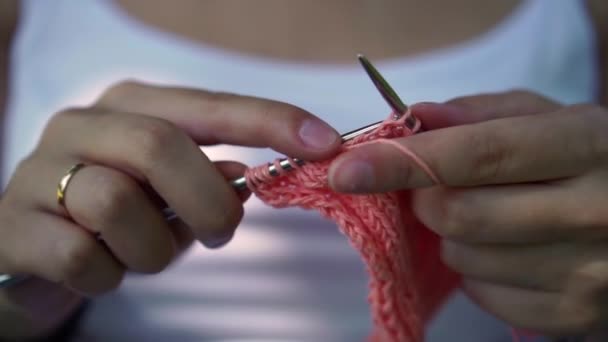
[(7, 280), (285, 164), (389, 95), (387, 92), (240, 183)]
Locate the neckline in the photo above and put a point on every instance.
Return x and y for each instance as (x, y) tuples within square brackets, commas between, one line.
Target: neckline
[(448, 54)]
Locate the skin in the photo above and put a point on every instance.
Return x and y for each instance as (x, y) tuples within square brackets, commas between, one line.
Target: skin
[(499, 156), (520, 206), (137, 147), (383, 29)]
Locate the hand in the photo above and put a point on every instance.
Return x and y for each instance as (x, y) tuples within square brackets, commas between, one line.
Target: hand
[(141, 145), (523, 205)]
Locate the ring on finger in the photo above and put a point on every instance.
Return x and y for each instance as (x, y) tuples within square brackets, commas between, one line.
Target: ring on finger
[(64, 182)]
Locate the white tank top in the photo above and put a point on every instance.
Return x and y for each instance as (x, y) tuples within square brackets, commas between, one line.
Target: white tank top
[(288, 275)]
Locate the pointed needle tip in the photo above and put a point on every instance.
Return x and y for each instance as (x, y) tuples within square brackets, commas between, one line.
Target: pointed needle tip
[(383, 87)]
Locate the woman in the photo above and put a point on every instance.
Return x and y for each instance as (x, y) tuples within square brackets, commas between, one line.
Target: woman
[(521, 214)]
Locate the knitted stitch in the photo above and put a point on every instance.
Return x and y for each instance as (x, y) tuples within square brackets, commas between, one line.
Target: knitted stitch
[(408, 281)]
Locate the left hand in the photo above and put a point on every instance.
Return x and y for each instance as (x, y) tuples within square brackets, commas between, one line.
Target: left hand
[(523, 205)]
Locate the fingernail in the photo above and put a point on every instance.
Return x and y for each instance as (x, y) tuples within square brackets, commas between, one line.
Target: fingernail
[(354, 176), (317, 134), (217, 242)]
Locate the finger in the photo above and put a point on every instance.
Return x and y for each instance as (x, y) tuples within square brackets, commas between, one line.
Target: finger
[(211, 117), (571, 210), (230, 171), (183, 235), (107, 203), (58, 250), (510, 150), (159, 154), (543, 312), (531, 267), (112, 205), (233, 170), (484, 107)]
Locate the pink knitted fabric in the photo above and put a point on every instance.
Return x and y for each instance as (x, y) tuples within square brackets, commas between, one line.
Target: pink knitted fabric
[(407, 279)]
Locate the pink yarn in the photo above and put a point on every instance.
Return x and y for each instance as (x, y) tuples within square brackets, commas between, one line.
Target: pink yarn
[(408, 281)]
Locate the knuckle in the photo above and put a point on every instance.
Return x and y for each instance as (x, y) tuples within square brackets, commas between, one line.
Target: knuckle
[(76, 257), (270, 115), (65, 114), (28, 163), (115, 281), (153, 257), (213, 101), (534, 100), (160, 261), (278, 112), (119, 91), (10, 262), (490, 157), (588, 109), (585, 296), (457, 219), (294, 114), (217, 97), (58, 121), (18, 191), (592, 279), (461, 101), (112, 192), (28, 166), (154, 138), (510, 98), (401, 175), (521, 93), (223, 221), (593, 219), (595, 122), (109, 283), (579, 315)]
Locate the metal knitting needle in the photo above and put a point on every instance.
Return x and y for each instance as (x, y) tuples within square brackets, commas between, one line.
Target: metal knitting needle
[(285, 164), (241, 182), (389, 95), (387, 92)]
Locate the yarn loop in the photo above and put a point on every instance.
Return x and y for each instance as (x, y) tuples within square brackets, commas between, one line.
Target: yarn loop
[(408, 281)]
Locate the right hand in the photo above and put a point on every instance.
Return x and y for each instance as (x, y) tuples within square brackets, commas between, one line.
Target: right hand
[(141, 147)]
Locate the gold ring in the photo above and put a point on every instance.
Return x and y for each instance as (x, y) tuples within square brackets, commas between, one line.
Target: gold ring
[(65, 181)]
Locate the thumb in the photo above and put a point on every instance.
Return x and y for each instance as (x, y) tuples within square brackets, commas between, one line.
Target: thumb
[(484, 107)]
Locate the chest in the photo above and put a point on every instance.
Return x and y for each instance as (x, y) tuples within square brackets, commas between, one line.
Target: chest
[(323, 31)]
